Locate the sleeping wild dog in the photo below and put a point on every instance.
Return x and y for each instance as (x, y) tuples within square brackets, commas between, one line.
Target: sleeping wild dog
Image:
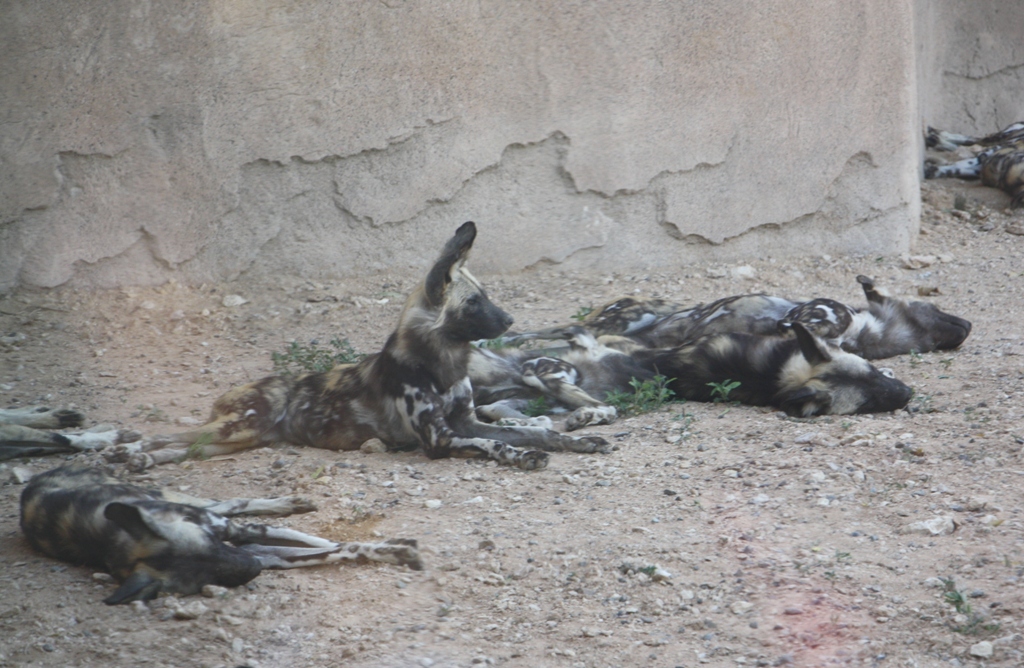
[(999, 163), (506, 380), (886, 328), (26, 432), (415, 393), (801, 374), (159, 541)]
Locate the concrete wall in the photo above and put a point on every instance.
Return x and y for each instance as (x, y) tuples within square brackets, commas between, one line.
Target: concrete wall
[(970, 64), (200, 140)]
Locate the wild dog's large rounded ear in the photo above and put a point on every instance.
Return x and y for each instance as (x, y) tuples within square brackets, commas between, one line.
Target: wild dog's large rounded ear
[(814, 351), (134, 520), (451, 260), (139, 586), (873, 295)]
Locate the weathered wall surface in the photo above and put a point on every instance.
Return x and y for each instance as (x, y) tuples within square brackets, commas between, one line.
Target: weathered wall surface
[(200, 140), (970, 63)]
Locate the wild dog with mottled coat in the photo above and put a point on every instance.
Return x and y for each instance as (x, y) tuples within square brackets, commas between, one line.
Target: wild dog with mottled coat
[(576, 378), (159, 541), (886, 328), (1000, 164), (801, 374), (415, 393)]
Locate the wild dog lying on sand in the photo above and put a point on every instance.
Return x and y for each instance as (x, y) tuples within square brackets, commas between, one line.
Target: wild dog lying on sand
[(415, 393), (505, 380), (888, 327), (155, 541), (22, 435), (801, 375), (999, 165)]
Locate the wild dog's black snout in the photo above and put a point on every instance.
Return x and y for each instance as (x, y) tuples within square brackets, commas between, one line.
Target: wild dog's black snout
[(886, 394)]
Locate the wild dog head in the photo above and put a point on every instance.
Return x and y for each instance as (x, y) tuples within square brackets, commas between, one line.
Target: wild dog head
[(900, 326), (463, 312), (822, 380), (149, 545)]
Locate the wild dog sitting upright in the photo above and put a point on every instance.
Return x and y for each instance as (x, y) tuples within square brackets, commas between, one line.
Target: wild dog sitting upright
[(801, 375), (155, 541), (414, 393)]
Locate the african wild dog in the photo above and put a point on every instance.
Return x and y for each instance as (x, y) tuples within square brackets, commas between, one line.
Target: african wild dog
[(576, 378), (159, 541), (414, 393), (801, 374), (999, 165), (888, 326), (22, 435)]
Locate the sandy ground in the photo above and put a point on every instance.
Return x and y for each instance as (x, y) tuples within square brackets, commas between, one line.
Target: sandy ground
[(716, 535)]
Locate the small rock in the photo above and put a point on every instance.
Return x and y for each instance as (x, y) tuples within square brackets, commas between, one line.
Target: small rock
[(760, 499), (21, 475), (138, 607), (102, 577), (190, 610), (1015, 228), (214, 591), (237, 645), (433, 504), (373, 446), (917, 261), (740, 607), (744, 272), (982, 649), (231, 301), (793, 611), (977, 503), (934, 527)]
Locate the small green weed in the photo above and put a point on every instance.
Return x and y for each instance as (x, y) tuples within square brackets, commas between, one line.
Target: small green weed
[(582, 313), (915, 359), (195, 451), (301, 358), (501, 342), (536, 407), (975, 622), (647, 395), (720, 391)]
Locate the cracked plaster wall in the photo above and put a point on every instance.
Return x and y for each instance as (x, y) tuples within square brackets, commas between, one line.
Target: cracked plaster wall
[(970, 63), (202, 140)]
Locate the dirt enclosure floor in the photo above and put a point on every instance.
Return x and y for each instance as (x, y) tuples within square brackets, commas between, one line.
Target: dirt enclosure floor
[(716, 535)]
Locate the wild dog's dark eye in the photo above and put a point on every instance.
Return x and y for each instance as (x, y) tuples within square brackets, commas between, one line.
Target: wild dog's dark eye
[(473, 300)]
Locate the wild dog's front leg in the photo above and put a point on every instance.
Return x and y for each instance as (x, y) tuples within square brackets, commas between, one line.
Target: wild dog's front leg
[(462, 417), (426, 413)]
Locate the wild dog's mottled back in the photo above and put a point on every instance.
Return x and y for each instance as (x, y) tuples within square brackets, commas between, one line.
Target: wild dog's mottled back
[(155, 542), (414, 393), (800, 375)]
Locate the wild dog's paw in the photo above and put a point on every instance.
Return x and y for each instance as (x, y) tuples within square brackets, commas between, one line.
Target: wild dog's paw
[(299, 504), (401, 551), (119, 454), (532, 460), (139, 462), (588, 415), (67, 418), (596, 444), (128, 436)]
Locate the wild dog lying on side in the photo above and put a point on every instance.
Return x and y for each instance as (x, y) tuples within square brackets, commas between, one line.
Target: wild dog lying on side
[(1000, 165), (155, 541), (888, 326), (505, 380), (415, 393), (22, 435), (800, 375)]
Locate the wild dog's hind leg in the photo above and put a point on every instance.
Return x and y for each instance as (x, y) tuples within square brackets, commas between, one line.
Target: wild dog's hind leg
[(399, 551), (557, 379), (242, 418)]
